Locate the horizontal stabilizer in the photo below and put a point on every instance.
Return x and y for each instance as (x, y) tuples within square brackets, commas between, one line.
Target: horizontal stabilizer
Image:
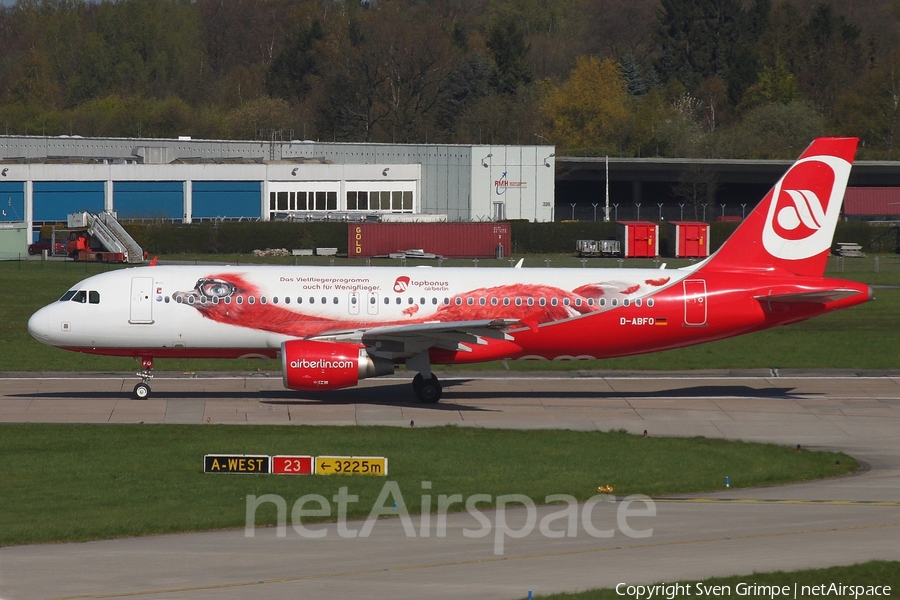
[(818, 296)]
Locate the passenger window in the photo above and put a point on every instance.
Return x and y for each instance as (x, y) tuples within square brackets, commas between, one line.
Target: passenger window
[(398, 300), (312, 300), (590, 301), (324, 300), (637, 302), (227, 299), (251, 299), (215, 300), (530, 302), (458, 301), (335, 301), (240, 299), (80, 296), (94, 297), (275, 300), (542, 302), (179, 299), (602, 301), (554, 301), (626, 302), (287, 299), (434, 300), (387, 300), (421, 300), (565, 301), (615, 301), (372, 300), (203, 300), (518, 302), (167, 299), (577, 301), (494, 302), (650, 302), (482, 301), (411, 300), (506, 302)]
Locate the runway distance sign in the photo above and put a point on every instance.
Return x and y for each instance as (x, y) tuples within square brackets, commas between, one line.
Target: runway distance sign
[(292, 465), (237, 463), (351, 465)]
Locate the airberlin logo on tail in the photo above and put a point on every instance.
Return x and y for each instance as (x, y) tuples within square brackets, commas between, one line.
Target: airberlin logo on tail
[(804, 208), (401, 284)]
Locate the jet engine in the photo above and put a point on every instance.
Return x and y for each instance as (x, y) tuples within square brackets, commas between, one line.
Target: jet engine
[(311, 365)]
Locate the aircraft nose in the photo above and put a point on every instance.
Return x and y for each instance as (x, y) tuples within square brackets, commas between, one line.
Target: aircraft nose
[(39, 325)]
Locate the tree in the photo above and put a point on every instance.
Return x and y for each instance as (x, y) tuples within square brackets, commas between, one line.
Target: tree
[(781, 130), (289, 77), (506, 41), (589, 110), (697, 39)]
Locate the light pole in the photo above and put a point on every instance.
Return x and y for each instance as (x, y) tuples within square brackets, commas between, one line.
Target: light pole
[(659, 204), (573, 210), (681, 218), (743, 211), (638, 205), (616, 209), (723, 209), (595, 210)]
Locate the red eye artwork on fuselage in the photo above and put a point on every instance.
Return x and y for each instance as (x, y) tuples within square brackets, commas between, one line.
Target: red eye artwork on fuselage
[(226, 298)]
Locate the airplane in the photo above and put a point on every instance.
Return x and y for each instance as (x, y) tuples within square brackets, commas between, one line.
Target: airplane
[(334, 326)]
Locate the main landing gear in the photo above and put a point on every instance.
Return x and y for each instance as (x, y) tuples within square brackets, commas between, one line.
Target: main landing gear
[(142, 390), (428, 391)]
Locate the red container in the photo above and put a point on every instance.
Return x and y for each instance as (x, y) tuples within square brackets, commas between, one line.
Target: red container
[(688, 239), (451, 240), (872, 202), (639, 239)]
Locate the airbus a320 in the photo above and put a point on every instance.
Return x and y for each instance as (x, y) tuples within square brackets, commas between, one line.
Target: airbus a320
[(333, 326)]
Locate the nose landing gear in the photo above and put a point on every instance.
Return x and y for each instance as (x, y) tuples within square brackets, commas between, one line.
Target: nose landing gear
[(142, 390)]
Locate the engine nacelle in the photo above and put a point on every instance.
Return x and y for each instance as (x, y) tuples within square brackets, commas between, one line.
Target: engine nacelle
[(311, 365)]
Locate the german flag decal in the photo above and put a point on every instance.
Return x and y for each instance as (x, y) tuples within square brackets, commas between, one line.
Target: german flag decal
[(661, 321)]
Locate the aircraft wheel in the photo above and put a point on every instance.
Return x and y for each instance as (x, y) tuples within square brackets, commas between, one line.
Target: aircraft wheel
[(141, 391), (428, 391)]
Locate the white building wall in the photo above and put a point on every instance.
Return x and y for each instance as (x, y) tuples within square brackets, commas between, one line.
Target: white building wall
[(466, 183)]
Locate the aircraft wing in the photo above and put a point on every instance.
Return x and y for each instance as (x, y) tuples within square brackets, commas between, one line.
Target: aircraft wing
[(416, 337), (818, 296)]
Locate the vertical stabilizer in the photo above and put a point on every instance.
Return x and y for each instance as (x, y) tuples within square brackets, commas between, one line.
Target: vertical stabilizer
[(793, 227)]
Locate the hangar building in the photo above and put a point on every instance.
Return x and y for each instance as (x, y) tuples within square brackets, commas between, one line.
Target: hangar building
[(43, 179)]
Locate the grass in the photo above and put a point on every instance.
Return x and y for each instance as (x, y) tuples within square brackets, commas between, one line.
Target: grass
[(82, 482), (860, 338), (872, 573)]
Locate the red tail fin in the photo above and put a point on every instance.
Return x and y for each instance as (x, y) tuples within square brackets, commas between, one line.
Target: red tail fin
[(793, 227)]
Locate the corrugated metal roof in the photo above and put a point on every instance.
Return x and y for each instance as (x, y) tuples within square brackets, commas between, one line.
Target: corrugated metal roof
[(872, 201)]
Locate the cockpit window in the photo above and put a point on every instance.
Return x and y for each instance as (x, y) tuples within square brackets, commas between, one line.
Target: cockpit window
[(67, 296), (94, 297), (80, 296)]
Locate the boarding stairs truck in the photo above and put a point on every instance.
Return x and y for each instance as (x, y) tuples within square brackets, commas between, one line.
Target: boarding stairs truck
[(100, 237)]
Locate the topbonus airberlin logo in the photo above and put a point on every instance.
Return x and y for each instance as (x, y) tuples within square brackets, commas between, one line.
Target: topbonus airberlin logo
[(401, 284), (805, 207)]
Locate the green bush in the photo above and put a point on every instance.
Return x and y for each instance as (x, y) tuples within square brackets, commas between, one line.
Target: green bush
[(527, 237)]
